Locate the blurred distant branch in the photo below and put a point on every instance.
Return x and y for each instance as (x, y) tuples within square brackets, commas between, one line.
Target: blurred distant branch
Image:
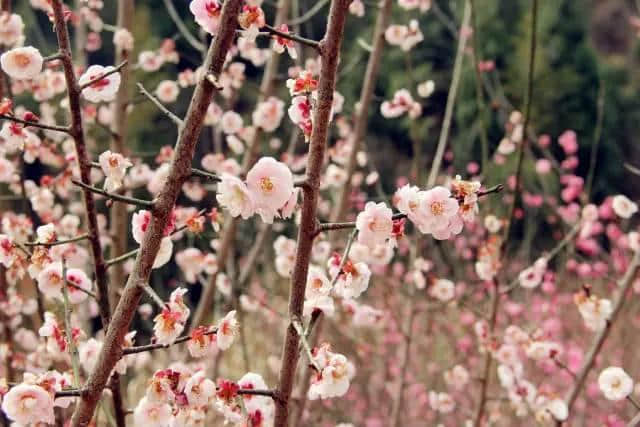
[(309, 14), (175, 17), (175, 119)]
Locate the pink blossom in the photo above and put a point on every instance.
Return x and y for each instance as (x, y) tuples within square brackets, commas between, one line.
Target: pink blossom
[(103, 89), (207, 14), (270, 184)]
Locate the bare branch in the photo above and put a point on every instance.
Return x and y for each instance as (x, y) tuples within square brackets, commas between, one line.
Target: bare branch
[(59, 242), (307, 42), (39, 125), (156, 346), (115, 196), (330, 52), (175, 17), (175, 119)]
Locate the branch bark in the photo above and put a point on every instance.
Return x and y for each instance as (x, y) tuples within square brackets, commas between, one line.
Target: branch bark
[(179, 172), (330, 52), (76, 131)]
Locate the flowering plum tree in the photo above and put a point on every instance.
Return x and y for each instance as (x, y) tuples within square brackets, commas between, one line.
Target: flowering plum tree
[(426, 309)]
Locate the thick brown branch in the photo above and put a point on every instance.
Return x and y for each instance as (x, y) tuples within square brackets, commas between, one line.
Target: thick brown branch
[(330, 52), (76, 130), (179, 172)]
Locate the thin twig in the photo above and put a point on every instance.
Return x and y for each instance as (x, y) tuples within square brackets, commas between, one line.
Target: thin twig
[(153, 295), (552, 254), (59, 242), (597, 135), (175, 119), (114, 196), (308, 42), (297, 324), (102, 76), (175, 17), (27, 123), (156, 346), (205, 174)]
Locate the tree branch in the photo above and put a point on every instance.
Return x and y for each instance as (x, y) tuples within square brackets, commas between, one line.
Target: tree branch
[(175, 119), (39, 125), (179, 172), (59, 242), (330, 52), (76, 130), (114, 196), (308, 42)]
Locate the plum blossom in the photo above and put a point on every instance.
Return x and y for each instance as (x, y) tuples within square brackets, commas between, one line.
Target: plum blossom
[(443, 290), (441, 402), (191, 263), (22, 62), (28, 404), (623, 207), (268, 114), (532, 276), (425, 89), (199, 389), (207, 14), (114, 166), (457, 377), (280, 43), (352, 281), (251, 19), (423, 5), (595, 311), (234, 196), (227, 330), (437, 213), (615, 383), (334, 376), (201, 342), (12, 26), (406, 37), (104, 89), (317, 283), (167, 91), (169, 324), (374, 224), (270, 184), (402, 102), (152, 413)]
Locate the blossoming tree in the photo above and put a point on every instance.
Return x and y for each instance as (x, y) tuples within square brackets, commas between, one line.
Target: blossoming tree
[(384, 310)]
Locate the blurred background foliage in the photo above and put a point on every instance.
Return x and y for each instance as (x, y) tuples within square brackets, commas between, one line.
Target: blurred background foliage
[(582, 46), (585, 48)]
